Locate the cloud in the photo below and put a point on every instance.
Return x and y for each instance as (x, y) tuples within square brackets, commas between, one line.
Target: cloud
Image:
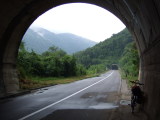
[(82, 19)]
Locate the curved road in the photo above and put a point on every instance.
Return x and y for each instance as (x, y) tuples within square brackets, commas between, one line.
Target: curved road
[(56, 102)]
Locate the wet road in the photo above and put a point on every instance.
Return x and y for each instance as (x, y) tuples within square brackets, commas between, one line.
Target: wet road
[(90, 94)]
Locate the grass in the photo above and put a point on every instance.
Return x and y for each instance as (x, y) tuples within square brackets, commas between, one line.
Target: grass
[(128, 78), (38, 82)]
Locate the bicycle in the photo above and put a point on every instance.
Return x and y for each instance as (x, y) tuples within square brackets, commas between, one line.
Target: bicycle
[(137, 95)]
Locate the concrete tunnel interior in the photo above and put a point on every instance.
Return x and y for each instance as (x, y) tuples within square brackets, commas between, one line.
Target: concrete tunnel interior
[(142, 18)]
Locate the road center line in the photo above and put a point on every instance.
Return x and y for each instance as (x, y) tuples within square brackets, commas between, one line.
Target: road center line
[(27, 116)]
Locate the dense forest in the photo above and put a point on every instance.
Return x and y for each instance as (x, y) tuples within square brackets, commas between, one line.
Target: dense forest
[(107, 52), (52, 63), (120, 49), (129, 62)]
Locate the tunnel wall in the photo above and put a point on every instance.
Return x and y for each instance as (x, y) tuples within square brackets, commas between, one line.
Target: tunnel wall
[(147, 35), (151, 78), (17, 16)]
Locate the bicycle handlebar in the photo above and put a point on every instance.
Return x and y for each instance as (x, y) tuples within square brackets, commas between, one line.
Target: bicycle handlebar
[(136, 82)]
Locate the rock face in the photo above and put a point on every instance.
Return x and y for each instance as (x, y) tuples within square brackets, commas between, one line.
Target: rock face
[(142, 18)]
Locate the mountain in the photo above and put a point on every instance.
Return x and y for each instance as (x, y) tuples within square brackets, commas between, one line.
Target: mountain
[(39, 40), (107, 52)]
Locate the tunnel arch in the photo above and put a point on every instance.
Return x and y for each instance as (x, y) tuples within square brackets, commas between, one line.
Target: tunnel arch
[(31, 11), (25, 17), (141, 17)]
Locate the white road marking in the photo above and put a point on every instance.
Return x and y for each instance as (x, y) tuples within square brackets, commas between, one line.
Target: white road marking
[(27, 116)]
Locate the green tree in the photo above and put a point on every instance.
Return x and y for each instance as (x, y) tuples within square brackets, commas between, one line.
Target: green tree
[(129, 61), (107, 52)]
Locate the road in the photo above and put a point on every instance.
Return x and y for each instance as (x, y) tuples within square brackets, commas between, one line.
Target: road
[(88, 97)]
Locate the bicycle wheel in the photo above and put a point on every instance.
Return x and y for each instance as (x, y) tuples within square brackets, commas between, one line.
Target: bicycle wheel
[(133, 104)]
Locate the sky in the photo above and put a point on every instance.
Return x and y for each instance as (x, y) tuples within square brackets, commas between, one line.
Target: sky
[(86, 20)]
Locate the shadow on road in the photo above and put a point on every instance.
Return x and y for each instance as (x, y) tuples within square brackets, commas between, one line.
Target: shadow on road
[(121, 113)]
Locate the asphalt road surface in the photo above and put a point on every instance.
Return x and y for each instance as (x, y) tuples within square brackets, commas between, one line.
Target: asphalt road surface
[(81, 100)]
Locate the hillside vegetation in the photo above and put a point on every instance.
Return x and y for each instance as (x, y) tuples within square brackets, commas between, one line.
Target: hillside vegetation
[(50, 64), (107, 52), (120, 49)]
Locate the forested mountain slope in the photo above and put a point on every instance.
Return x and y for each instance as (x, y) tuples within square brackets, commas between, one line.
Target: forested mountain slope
[(106, 52)]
